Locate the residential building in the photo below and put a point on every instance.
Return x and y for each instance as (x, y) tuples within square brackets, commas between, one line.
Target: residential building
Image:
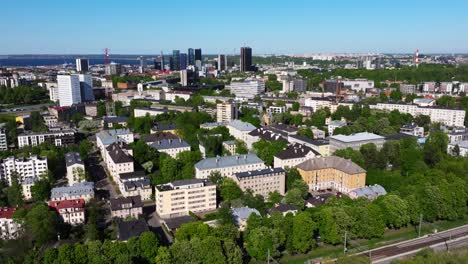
[(3, 139), (335, 124), (241, 215), (370, 192), (262, 133), (228, 165), (262, 182), (283, 209), (230, 146), (106, 137), (71, 211), (226, 112), (142, 111), (118, 159), (294, 154), (181, 197), (82, 65), (358, 85), (124, 207), (69, 89), (238, 129), (412, 129), (462, 148), (53, 92), (75, 168), (161, 127), (82, 190), (248, 88), (172, 147), (158, 136), (276, 109), (447, 116), (114, 69), (135, 184), (355, 141), (26, 185), (222, 62), (9, 228), (332, 172), (50, 121), (62, 137), (33, 166), (130, 229), (114, 121), (245, 59), (322, 146)]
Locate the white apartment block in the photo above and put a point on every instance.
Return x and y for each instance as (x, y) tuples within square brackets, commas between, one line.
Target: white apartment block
[(142, 111), (53, 91), (449, 117), (71, 211), (3, 139), (25, 167), (276, 109), (9, 229), (240, 130), (247, 88), (172, 147), (107, 137), (358, 84), (262, 182), (69, 89), (75, 168), (294, 154), (118, 160), (178, 198), (124, 207), (82, 190), (227, 166), (226, 112), (58, 138), (135, 184), (26, 185)]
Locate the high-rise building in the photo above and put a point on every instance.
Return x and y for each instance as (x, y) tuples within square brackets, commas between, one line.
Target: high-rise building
[(157, 64), (198, 54), (222, 63), (162, 61), (142, 64), (191, 57), (187, 77), (3, 138), (82, 65), (247, 89), (86, 87), (246, 59), (175, 66), (226, 112), (183, 61), (69, 89), (113, 69)]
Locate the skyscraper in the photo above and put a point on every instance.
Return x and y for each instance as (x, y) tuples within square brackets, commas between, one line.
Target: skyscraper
[(222, 63), (113, 69), (69, 89), (175, 60), (86, 87), (142, 64), (183, 61), (162, 61), (246, 59), (198, 55), (82, 65), (191, 57)]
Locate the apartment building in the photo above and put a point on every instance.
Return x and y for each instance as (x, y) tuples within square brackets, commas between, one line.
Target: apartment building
[(9, 229), (447, 116), (355, 141), (462, 148), (33, 167), (3, 139), (178, 198), (142, 111), (239, 129), (26, 185), (332, 172), (57, 137), (226, 112), (135, 184), (228, 165), (293, 155), (322, 146), (230, 146), (334, 124), (172, 147), (118, 159), (124, 207), (263, 181), (71, 211), (412, 129), (82, 190), (107, 137), (75, 168), (262, 133), (247, 89), (276, 109)]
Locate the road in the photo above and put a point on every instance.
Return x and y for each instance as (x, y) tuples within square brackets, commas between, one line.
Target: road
[(446, 239)]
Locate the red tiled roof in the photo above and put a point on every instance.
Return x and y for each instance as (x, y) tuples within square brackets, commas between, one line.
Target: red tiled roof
[(7, 212), (74, 203)]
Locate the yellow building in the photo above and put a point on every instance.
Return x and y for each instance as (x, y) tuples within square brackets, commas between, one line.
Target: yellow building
[(332, 172)]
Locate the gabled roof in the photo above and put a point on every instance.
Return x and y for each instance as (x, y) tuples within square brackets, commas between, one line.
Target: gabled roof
[(158, 136), (295, 151), (244, 212), (73, 203), (129, 229), (117, 154), (228, 161), (255, 173), (7, 212), (169, 144), (122, 202), (282, 208), (72, 158), (335, 162), (266, 134)]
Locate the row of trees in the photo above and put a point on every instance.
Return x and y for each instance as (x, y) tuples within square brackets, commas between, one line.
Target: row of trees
[(23, 94)]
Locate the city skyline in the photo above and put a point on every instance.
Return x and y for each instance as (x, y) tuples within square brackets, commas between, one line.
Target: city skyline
[(87, 27)]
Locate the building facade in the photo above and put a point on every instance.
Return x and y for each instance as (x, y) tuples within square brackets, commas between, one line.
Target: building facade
[(75, 168), (24, 167), (69, 89), (262, 182), (355, 141), (71, 211), (9, 228), (248, 88), (124, 207), (226, 112), (57, 137), (227, 166)]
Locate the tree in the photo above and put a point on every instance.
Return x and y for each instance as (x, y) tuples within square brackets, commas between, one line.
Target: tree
[(396, 95), (14, 192), (303, 232), (306, 132), (85, 148), (292, 174), (396, 210), (332, 224), (40, 191), (41, 223), (275, 197), (295, 106), (263, 239), (267, 150), (191, 230), (435, 147), (229, 190), (456, 150), (148, 245), (294, 197), (241, 147), (37, 122)]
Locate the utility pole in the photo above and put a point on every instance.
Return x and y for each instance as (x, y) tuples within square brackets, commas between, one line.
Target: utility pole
[(344, 248), (420, 223), (268, 257)]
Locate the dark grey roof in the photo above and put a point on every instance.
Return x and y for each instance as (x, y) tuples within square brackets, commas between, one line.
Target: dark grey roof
[(72, 158), (129, 229), (320, 199), (283, 129), (267, 134), (123, 202), (117, 154), (331, 162), (399, 136), (295, 151), (258, 172), (315, 142), (158, 136), (138, 184), (282, 208), (161, 126), (132, 175), (175, 223), (169, 144), (115, 119)]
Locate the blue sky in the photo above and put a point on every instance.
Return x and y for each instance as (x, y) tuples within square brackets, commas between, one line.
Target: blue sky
[(268, 26)]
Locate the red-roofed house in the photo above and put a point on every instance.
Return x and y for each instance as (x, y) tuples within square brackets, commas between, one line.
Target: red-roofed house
[(71, 211), (9, 229)]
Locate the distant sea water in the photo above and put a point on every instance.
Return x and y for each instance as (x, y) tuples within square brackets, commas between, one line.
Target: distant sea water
[(24, 62)]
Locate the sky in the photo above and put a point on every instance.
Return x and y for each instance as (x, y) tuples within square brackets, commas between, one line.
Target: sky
[(222, 26)]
